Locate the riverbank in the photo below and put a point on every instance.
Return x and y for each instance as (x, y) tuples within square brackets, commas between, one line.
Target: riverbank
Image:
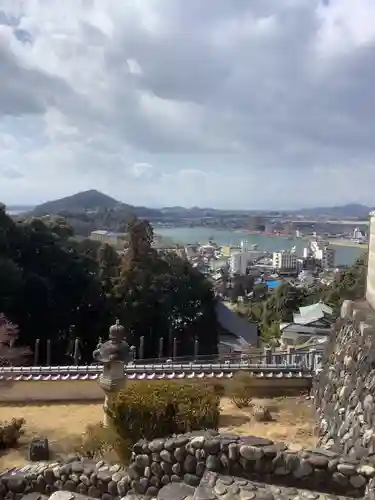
[(344, 254), (348, 243)]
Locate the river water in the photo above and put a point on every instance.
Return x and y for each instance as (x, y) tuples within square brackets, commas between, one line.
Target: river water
[(186, 235)]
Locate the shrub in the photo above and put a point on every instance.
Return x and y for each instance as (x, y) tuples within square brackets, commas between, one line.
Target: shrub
[(156, 409), (10, 432), (241, 389), (218, 388), (262, 413), (99, 441)]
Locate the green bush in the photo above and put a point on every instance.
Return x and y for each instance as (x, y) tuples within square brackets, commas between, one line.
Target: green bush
[(99, 441), (157, 409), (240, 389), (10, 432)]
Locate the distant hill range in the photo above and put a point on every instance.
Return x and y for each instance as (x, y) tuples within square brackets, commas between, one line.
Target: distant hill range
[(90, 201), (93, 200), (352, 210)]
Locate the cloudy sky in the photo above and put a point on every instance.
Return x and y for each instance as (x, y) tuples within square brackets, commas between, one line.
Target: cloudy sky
[(241, 104)]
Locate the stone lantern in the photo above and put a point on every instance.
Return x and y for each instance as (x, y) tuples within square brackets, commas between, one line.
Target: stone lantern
[(113, 355)]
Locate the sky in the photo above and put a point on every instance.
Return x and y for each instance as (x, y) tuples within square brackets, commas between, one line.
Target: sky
[(246, 104)]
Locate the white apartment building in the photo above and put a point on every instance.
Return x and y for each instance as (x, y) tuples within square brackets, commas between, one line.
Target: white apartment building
[(239, 261), (320, 250), (284, 260), (328, 257)]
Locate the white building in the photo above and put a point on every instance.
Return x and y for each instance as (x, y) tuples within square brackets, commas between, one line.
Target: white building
[(321, 251), (328, 258), (190, 252), (238, 263), (358, 235), (284, 260)]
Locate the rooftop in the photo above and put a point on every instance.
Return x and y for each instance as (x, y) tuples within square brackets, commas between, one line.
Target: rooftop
[(246, 332), (314, 312)]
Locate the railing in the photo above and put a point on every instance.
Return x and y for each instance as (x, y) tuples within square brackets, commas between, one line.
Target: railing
[(302, 361), (307, 358)]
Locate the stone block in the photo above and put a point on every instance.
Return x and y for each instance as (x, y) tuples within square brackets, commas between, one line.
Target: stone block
[(38, 450)]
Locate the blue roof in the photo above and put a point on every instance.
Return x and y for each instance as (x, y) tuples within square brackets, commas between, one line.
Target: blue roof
[(273, 284)]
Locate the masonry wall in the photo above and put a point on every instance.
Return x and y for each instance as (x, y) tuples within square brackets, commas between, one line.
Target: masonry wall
[(345, 390), (370, 289), (205, 459)]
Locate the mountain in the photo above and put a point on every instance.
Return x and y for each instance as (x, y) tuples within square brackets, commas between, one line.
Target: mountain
[(354, 210), (86, 200)]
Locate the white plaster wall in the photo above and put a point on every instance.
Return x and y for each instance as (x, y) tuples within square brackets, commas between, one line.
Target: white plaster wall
[(38, 391), (89, 390), (370, 287)]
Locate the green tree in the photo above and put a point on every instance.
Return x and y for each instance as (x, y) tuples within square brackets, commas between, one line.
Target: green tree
[(10, 354), (109, 266), (48, 288), (163, 296), (348, 284)]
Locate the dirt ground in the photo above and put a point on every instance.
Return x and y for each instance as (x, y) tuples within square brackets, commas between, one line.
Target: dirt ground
[(64, 425)]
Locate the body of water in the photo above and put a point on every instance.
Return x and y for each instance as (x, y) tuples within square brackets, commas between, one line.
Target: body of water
[(186, 235)]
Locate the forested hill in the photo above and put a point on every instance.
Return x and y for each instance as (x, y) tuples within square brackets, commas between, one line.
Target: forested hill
[(91, 210), (86, 200)]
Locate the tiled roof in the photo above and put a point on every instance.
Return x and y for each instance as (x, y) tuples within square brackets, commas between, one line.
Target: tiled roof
[(161, 372)]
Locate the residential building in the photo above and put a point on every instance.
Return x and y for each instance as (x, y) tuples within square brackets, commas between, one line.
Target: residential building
[(284, 260), (239, 261), (312, 322), (321, 252), (328, 258)]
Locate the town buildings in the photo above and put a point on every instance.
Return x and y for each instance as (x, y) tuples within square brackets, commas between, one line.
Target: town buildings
[(313, 322), (321, 252), (284, 260)]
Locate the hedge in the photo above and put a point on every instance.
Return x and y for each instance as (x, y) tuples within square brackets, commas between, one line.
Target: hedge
[(157, 409)]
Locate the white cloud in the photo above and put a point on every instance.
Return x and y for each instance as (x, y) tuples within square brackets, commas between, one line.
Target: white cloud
[(164, 102), (346, 26)]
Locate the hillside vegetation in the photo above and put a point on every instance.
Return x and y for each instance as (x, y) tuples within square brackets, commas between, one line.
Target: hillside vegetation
[(55, 287), (86, 200), (285, 300), (91, 210)]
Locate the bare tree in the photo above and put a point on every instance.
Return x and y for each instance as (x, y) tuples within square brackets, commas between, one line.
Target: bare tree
[(9, 353)]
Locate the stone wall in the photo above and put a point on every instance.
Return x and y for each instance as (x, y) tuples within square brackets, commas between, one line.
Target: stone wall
[(209, 460), (345, 390), (370, 288)]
